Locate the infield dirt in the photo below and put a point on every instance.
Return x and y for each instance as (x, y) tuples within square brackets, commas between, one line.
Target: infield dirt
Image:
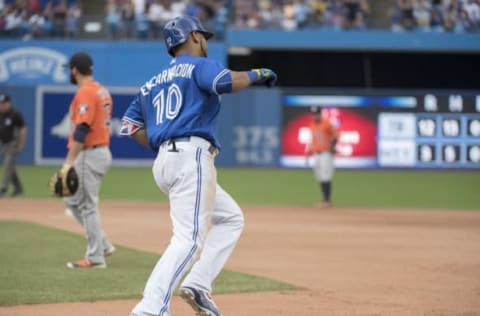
[(347, 261)]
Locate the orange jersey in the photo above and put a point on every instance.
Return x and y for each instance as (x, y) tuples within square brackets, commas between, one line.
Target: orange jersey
[(323, 134), (92, 104)]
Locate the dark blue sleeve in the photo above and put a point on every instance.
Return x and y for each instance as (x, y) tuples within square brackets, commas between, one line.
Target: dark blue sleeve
[(81, 132)]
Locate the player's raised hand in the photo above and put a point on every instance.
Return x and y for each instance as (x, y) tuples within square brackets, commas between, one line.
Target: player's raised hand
[(265, 76)]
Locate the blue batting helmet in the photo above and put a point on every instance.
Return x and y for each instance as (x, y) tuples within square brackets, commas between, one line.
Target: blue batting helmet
[(176, 31)]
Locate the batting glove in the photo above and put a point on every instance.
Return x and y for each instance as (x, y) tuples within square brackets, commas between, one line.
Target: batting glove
[(263, 76)]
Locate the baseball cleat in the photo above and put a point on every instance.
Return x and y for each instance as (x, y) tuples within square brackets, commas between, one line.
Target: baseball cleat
[(16, 193), (325, 205), (109, 251), (85, 263), (200, 301)]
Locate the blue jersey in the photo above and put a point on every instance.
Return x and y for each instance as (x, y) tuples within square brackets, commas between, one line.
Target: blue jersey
[(180, 101)]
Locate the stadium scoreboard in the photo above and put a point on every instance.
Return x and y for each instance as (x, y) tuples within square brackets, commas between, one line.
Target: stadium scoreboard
[(409, 129)]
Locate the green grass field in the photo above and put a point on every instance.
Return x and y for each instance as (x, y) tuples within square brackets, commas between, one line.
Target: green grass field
[(33, 270), (351, 188)]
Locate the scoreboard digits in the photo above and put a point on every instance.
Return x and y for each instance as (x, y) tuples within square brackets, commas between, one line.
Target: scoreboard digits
[(445, 133), (426, 127), (473, 154), (451, 127), (474, 127)]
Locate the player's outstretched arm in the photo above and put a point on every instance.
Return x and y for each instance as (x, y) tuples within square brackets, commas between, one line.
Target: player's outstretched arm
[(244, 79)]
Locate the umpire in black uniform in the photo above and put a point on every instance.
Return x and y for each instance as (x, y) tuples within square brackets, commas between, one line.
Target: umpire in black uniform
[(13, 133)]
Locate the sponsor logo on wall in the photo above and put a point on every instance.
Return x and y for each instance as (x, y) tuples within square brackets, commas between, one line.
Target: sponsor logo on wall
[(33, 64)]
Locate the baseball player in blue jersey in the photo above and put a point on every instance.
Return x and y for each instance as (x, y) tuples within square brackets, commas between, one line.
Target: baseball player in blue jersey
[(175, 114)]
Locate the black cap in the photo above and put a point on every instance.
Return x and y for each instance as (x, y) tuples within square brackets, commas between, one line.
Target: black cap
[(4, 97), (82, 61)]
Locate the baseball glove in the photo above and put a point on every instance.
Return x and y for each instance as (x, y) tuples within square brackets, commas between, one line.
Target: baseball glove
[(64, 182)]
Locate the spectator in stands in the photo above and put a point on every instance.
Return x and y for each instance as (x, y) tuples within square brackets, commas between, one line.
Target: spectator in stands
[(24, 25), (220, 19), (36, 24), (436, 20), (34, 6), (437, 4), (73, 14), (336, 15), (128, 19), (450, 15), (463, 23), (154, 15), (140, 6), (289, 23), (472, 10), (178, 7), (403, 18), (246, 14), (2, 23), (141, 22), (317, 13), (302, 11), (112, 17), (422, 12), (206, 13), (269, 14), (355, 11), (12, 21), (59, 19)]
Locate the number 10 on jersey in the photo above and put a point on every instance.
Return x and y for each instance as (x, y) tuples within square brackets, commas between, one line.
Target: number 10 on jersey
[(168, 106)]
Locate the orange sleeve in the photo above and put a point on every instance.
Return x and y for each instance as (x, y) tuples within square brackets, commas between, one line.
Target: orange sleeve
[(92, 105), (84, 107)]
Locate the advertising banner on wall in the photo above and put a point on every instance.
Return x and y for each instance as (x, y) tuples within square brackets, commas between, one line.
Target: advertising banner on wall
[(53, 127)]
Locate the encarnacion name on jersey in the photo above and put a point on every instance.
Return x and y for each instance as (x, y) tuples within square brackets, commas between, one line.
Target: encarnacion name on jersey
[(180, 70)]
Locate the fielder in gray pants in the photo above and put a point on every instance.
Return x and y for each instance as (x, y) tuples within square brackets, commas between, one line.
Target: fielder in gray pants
[(91, 165)]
